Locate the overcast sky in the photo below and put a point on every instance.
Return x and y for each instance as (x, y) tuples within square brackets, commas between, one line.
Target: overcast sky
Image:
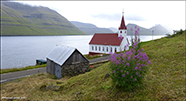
[(108, 13)]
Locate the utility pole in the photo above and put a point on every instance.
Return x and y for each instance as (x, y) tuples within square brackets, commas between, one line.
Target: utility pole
[(152, 34)]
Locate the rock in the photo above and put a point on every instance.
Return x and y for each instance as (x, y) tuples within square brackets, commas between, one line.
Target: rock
[(107, 75), (77, 93), (52, 87)]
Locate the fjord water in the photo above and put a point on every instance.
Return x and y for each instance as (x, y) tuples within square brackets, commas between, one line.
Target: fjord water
[(22, 51)]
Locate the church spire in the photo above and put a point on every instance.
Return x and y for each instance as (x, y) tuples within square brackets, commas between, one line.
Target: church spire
[(122, 26)]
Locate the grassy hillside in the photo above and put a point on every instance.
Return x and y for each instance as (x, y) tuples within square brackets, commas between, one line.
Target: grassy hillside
[(165, 79), (20, 19)]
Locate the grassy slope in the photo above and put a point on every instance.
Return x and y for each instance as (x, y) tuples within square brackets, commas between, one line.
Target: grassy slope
[(51, 23), (164, 81)]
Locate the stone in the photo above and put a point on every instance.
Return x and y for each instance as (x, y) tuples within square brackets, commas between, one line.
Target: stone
[(52, 87), (107, 75), (77, 93)]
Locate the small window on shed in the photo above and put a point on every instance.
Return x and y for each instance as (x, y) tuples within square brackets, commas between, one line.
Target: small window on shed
[(92, 47)]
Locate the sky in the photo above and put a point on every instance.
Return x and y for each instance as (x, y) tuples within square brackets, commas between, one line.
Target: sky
[(107, 14)]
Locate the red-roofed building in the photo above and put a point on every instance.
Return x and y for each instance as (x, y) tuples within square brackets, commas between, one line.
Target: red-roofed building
[(109, 42)]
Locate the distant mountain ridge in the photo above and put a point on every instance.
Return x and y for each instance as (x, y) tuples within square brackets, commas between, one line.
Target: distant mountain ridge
[(21, 19), (157, 30), (90, 28)]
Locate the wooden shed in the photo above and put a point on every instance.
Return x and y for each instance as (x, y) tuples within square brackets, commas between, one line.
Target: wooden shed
[(63, 60)]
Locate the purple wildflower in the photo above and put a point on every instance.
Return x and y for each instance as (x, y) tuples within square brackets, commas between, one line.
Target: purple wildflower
[(128, 58), (131, 28), (142, 49), (135, 27), (131, 77), (127, 73), (136, 33), (114, 71), (123, 75), (120, 37), (139, 75), (136, 68), (127, 64), (149, 62), (136, 73), (121, 71), (135, 80), (138, 29), (117, 69)]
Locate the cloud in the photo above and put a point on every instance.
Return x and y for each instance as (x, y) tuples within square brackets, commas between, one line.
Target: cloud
[(117, 17), (109, 17), (133, 17)]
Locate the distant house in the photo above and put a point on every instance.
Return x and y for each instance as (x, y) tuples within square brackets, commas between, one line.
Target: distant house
[(64, 60), (104, 43)]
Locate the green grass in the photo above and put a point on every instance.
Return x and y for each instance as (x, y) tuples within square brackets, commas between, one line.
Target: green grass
[(165, 79), (20, 69)]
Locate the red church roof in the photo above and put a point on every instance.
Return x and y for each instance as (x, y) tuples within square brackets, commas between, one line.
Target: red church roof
[(122, 26), (105, 39)]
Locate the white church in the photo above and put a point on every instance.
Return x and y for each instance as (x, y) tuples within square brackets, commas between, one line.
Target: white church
[(104, 43)]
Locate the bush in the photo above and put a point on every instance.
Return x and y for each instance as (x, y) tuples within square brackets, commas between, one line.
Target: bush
[(129, 68)]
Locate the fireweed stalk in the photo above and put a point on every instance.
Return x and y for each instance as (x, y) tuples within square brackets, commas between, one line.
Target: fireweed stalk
[(129, 68)]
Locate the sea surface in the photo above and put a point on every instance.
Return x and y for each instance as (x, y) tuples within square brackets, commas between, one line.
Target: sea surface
[(22, 51)]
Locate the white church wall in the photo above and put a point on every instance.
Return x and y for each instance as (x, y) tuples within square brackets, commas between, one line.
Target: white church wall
[(103, 48)]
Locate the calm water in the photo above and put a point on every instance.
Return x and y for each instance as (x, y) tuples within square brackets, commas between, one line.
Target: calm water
[(21, 51)]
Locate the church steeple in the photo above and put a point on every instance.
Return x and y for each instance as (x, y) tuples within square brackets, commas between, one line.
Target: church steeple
[(122, 26), (122, 29)]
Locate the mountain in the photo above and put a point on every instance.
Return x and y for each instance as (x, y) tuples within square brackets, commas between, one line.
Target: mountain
[(90, 28), (21, 19), (113, 29), (158, 30)]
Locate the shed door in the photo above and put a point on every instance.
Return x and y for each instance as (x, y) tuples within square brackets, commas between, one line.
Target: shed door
[(58, 71)]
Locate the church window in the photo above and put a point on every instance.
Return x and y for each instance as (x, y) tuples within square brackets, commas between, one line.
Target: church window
[(107, 49), (92, 47), (125, 31), (96, 48), (110, 49), (115, 50), (103, 49), (120, 31), (99, 48)]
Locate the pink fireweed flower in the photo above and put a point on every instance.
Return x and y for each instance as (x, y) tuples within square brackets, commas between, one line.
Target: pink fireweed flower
[(149, 62), (142, 49), (114, 71), (136, 33), (136, 73), (127, 73), (120, 37), (128, 58), (136, 68), (138, 29), (123, 75), (135, 27), (121, 71), (134, 80), (127, 64), (131, 28), (139, 75)]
